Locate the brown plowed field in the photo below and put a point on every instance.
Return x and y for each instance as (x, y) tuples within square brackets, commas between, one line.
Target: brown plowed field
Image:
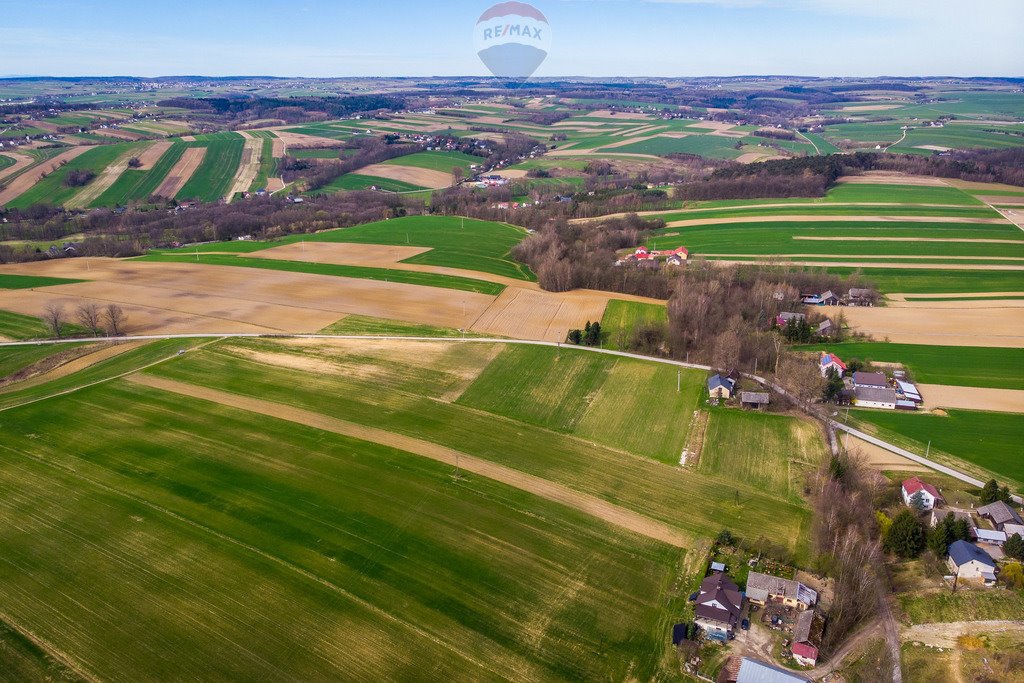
[(530, 314), (590, 505), (422, 177), (21, 161), (972, 398), (26, 180), (249, 167), (960, 323), (153, 154), (182, 171)]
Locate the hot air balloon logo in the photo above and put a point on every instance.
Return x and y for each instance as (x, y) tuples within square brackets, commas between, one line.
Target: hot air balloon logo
[(512, 40)]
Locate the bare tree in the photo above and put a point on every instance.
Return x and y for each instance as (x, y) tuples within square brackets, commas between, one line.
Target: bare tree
[(458, 174), (54, 318), (115, 318), (89, 317)]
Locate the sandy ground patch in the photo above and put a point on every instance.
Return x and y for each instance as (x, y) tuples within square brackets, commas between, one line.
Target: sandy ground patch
[(971, 295), (278, 148), (870, 107), (879, 458), (532, 314), (181, 172), (490, 120), (300, 140), (118, 133), (20, 162), (422, 177), (582, 502), (717, 126), (153, 154), (904, 239), (935, 148), (1015, 216), (1004, 200), (965, 324), (839, 219), (892, 178), (620, 116), (188, 138), (511, 174), (972, 186), (26, 180), (972, 398), (78, 364), (275, 185), (88, 194), (947, 634), (174, 296), (751, 157), (252, 155)]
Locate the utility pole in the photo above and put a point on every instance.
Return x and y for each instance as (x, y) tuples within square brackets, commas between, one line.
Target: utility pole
[(679, 381)]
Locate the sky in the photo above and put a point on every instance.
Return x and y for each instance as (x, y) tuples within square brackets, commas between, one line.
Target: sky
[(663, 38)]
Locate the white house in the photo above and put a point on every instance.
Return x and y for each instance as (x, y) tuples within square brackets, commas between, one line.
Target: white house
[(970, 562), (872, 397), (927, 493)]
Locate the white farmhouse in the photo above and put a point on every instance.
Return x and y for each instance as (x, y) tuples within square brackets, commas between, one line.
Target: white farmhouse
[(927, 493)]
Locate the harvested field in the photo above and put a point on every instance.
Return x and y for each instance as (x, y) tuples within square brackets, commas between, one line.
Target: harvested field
[(21, 161), (275, 185), (26, 180), (590, 505), (248, 168), (751, 157), (879, 458), (891, 178), (512, 174), (301, 140), (278, 147), (180, 297), (528, 314), (1006, 200), (88, 194), (717, 126), (972, 398), (122, 134), (421, 177), (181, 172), (152, 154), (962, 324)]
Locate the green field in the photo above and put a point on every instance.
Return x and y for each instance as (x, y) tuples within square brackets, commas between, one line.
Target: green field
[(17, 326), (367, 326), (407, 276), (861, 193), (135, 185), (212, 180), (963, 366), (328, 153), (357, 181), (438, 161), (6, 162), (52, 190), (714, 146), (965, 605), (989, 440), (770, 452), (15, 358), (621, 318), (455, 242), (826, 209), (370, 561), (268, 165), (8, 281), (925, 281)]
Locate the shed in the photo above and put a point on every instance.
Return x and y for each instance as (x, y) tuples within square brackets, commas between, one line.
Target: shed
[(875, 397), (754, 399), (1000, 514), (754, 671), (870, 379)]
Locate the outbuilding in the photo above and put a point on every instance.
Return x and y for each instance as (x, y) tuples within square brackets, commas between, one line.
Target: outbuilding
[(970, 562), (874, 397)]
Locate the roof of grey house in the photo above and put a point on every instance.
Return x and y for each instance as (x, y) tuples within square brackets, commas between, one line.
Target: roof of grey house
[(719, 588), (716, 381), (755, 397), (962, 552), (1000, 513), (760, 586), (754, 671), (860, 293), (810, 626), (876, 394), (792, 316), (870, 379), (939, 515)]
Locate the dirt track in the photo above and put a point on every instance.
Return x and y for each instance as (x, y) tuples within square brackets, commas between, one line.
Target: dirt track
[(26, 180), (181, 172), (590, 505)]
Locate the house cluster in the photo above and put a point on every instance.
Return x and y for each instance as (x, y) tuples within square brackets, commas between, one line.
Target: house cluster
[(872, 389), (764, 589), (990, 526), (826, 328), (492, 180), (652, 258), (854, 297), (725, 387)]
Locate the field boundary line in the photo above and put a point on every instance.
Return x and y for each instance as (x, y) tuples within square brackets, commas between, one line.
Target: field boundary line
[(558, 493), (46, 647)]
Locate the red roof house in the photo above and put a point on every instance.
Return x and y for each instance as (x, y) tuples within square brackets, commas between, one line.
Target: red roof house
[(805, 654), (929, 494)]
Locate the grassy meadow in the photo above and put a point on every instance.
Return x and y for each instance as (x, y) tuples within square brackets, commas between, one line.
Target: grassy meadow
[(622, 318)]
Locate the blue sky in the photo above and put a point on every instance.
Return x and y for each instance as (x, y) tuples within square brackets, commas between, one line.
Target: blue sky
[(591, 37)]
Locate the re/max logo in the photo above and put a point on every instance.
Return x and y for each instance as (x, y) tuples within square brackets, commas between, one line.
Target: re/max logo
[(523, 31)]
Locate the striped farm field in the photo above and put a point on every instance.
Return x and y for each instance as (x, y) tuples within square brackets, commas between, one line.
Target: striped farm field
[(862, 193), (52, 190), (215, 174), (438, 161), (137, 185), (357, 181), (305, 468)]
